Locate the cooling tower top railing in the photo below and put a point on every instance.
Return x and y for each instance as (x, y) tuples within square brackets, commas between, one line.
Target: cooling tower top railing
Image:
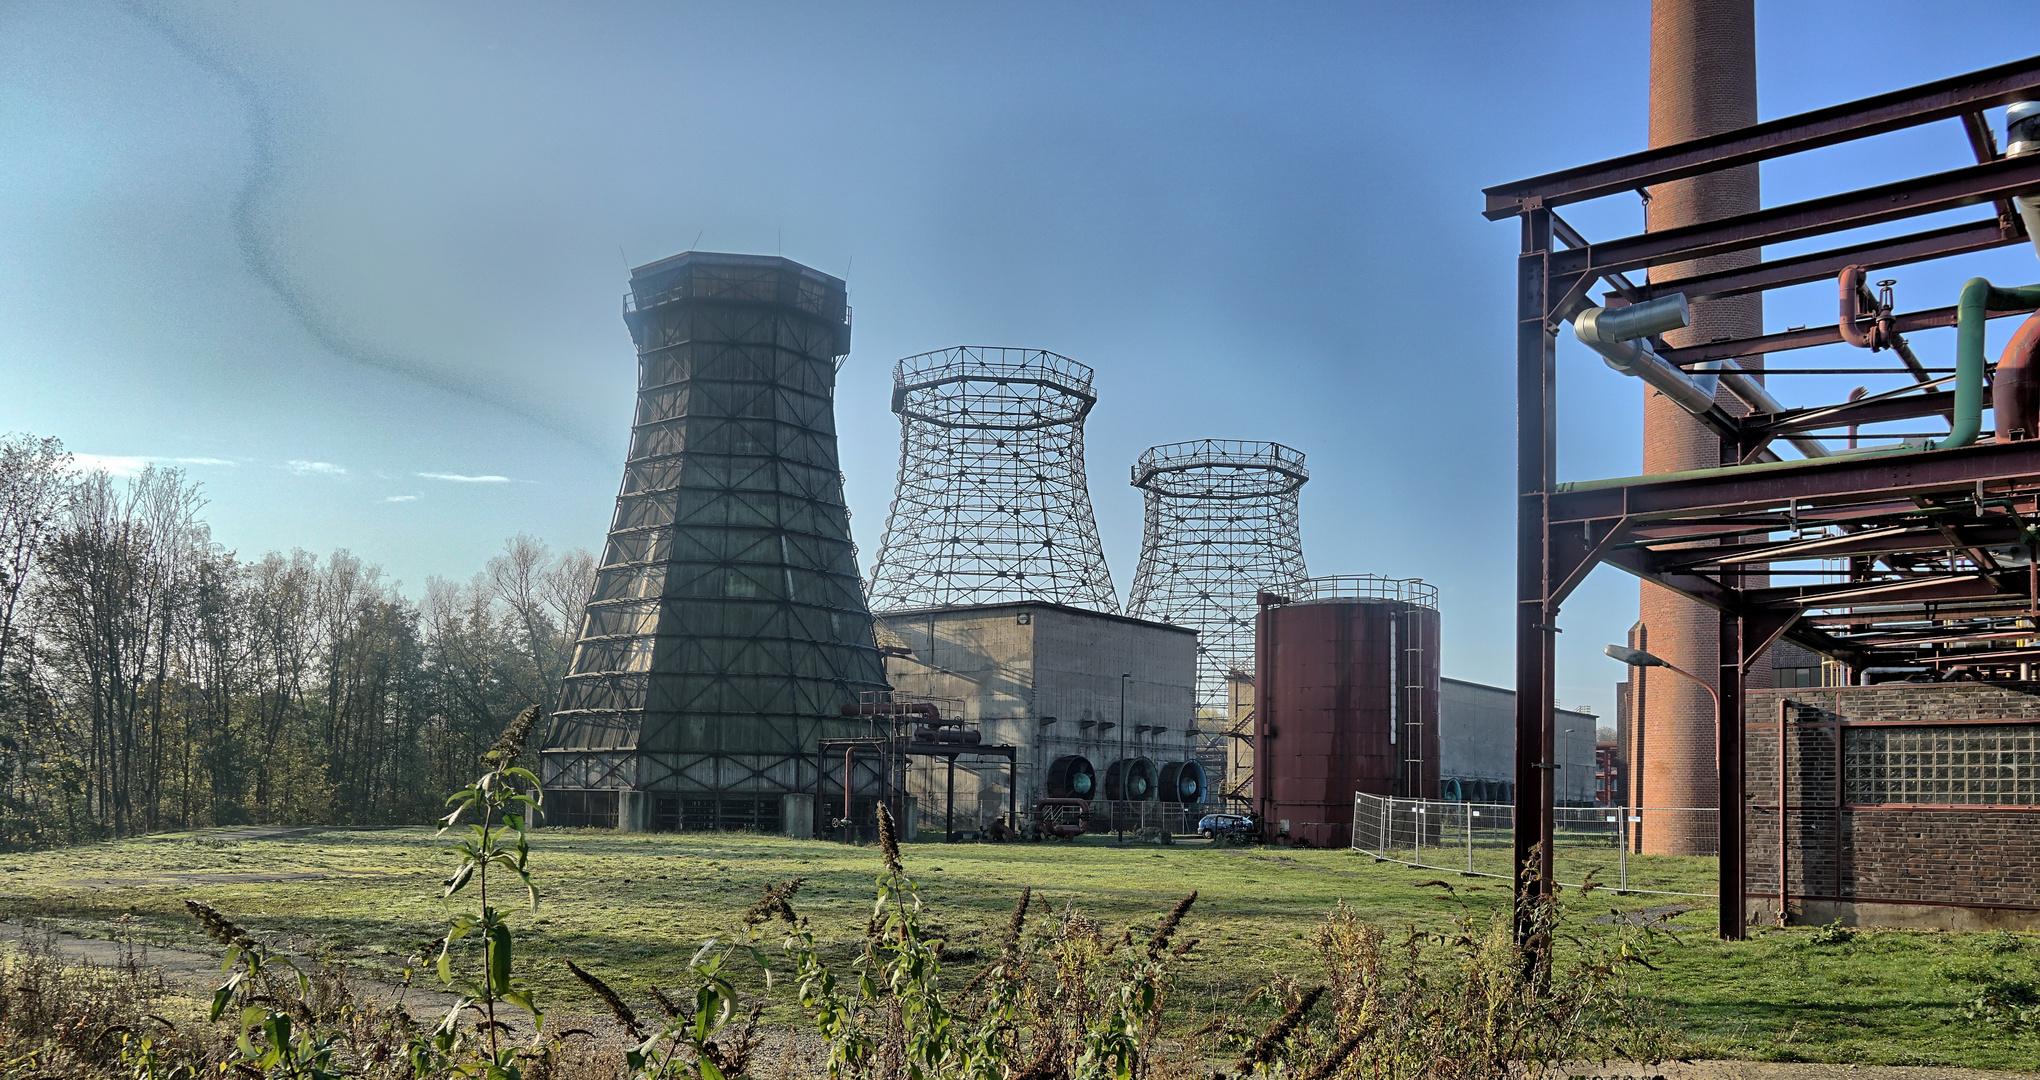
[(1221, 523), (1220, 469), (992, 388), (992, 503), (1414, 591)]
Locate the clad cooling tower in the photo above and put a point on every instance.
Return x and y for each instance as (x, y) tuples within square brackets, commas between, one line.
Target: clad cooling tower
[(726, 629), (1346, 700)]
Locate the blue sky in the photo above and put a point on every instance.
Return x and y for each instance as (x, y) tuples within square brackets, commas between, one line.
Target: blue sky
[(359, 266)]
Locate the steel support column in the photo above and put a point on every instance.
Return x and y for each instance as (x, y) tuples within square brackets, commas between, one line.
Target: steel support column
[(1728, 757), (1536, 453)]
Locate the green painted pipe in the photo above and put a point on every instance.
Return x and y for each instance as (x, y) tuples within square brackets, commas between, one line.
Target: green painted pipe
[(1979, 298)]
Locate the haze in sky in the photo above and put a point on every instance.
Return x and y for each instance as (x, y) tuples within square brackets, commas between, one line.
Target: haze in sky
[(358, 268)]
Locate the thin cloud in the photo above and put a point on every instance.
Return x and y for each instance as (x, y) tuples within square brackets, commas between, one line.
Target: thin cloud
[(401, 498), (314, 468), (125, 465), (110, 464), (459, 479)]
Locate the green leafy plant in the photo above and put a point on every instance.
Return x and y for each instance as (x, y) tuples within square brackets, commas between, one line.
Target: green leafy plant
[(1833, 933), (496, 811), (269, 1042)]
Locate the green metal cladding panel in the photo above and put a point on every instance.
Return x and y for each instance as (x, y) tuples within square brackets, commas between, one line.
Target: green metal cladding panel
[(726, 617)]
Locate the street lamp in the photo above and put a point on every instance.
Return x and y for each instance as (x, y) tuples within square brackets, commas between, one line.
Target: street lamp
[(1120, 813), (1639, 658)]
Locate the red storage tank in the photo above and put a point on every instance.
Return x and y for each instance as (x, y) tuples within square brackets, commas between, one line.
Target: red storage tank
[(1346, 677)]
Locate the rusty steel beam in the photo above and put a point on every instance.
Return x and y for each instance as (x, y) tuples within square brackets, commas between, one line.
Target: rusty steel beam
[(1822, 482), (1979, 609), (1983, 143), (1949, 190), (1821, 265), (1967, 586), (1888, 541), (1877, 410), (1809, 337), (1939, 100)]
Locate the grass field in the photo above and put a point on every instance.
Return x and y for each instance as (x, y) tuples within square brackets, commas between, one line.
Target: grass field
[(635, 906)]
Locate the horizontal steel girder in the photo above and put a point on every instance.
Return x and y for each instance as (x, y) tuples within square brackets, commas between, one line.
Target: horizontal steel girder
[(1928, 102), (1823, 482), (1956, 188)]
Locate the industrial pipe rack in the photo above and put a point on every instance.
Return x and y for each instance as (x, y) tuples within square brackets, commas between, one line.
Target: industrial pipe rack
[(1925, 532)]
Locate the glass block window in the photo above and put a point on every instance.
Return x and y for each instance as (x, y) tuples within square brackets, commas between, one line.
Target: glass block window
[(1997, 764)]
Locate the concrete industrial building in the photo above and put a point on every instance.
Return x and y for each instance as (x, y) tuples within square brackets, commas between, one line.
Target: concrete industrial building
[(1046, 679), (1476, 741), (1477, 745)]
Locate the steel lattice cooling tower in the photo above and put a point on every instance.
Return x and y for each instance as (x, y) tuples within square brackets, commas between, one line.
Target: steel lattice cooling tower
[(727, 628), (1221, 525), (992, 503)]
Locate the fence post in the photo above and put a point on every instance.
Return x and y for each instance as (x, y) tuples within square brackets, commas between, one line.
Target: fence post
[(1471, 813), (1623, 858)]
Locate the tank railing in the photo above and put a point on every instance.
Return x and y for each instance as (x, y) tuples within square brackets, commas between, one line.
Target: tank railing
[(1615, 845), (1360, 587), (992, 363)]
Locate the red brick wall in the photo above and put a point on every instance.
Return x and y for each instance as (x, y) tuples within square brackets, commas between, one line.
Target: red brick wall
[(1966, 855)]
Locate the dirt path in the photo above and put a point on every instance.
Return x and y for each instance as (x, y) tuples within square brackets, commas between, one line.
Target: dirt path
[(194, 972)]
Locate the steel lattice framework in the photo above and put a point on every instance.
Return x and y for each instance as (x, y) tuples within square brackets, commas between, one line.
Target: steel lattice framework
[(992, 503), (1221, 525), (1916, 553)]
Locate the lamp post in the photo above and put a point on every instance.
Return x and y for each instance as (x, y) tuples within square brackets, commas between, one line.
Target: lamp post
[(1125, 773), (1639, 658)]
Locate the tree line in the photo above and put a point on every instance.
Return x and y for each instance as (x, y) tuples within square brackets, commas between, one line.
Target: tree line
[(152, 680)]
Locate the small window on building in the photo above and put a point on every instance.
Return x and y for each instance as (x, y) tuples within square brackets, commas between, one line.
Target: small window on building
[(1024, 618), (1788, 677)]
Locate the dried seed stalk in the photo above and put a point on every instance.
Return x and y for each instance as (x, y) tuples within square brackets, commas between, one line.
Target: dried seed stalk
[(624, 1016), (1174, 919), (1279, 1031), (889, 841), (217, 926), (509, 746)]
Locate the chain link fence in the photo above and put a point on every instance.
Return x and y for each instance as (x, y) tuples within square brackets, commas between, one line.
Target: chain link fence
[(1668, 851)]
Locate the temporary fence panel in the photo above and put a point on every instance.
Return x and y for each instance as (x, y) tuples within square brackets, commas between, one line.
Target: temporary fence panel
[(1615, 845)]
